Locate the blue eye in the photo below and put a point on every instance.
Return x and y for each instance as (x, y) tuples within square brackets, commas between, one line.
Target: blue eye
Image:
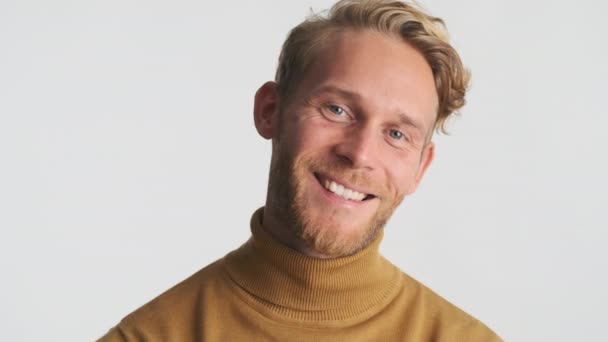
[(395, 134), (336, 113), (336, 109)]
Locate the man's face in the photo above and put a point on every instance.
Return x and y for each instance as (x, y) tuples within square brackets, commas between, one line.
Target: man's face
[(352, 141)]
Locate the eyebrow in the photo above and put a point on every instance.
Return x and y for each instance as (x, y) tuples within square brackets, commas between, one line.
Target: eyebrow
[(407, 120), (403, 117), (337, 90)]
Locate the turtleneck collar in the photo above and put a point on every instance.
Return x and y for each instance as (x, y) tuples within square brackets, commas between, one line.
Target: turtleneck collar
[(301, 287)]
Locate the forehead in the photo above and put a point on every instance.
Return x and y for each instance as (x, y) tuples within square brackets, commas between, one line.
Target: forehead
[(387, 73)]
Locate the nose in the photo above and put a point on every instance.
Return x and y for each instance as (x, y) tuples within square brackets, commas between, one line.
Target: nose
[(357, 148)]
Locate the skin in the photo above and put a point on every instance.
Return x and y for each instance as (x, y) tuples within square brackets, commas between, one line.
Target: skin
[(361, 116)]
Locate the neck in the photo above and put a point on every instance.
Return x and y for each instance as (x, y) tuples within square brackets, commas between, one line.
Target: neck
[(285, 281), (276, 225)]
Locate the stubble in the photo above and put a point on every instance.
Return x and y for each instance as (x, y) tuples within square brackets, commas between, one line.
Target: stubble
[(289, 194)]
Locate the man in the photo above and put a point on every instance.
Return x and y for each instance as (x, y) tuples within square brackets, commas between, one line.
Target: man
[(357, 96)]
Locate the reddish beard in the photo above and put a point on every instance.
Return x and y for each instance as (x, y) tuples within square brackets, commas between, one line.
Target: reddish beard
[(289, 195)]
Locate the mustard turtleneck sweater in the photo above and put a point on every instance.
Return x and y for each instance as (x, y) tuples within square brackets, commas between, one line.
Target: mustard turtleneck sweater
[(264, 291)]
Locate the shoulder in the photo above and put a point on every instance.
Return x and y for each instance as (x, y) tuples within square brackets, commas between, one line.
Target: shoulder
[(172, 310), (184, 293), (440, 319)]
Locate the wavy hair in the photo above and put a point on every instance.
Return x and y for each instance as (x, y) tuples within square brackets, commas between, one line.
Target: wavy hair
[(426, 33)]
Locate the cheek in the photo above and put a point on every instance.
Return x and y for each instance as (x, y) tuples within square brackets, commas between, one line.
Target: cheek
[(310, 139), (401, 176)]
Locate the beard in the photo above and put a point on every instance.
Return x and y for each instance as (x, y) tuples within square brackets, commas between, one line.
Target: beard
[(289, 193)]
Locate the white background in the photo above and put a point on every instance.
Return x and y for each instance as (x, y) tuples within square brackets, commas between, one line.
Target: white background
[(129, 160)]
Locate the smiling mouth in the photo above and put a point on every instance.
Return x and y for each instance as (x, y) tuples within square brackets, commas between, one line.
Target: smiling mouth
[(342, 190)]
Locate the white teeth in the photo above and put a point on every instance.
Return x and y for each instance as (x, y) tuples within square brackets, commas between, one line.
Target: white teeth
[(332, 187), (348, 194), (343, 192), (340, 190)]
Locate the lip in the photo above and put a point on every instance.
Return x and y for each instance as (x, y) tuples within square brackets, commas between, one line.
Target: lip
[(338, 200), (320, 177)]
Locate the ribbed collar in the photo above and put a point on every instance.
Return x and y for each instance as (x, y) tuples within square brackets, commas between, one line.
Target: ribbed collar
[(302, 287)]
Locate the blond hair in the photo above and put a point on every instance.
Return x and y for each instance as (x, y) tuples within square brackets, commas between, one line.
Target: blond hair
[(423, 31)]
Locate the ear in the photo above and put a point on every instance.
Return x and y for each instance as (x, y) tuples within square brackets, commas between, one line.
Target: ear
[(426, 157), (265, 109)]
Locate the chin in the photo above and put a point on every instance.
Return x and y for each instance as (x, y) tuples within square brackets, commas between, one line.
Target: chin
[(335, 231), (330, 222)]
